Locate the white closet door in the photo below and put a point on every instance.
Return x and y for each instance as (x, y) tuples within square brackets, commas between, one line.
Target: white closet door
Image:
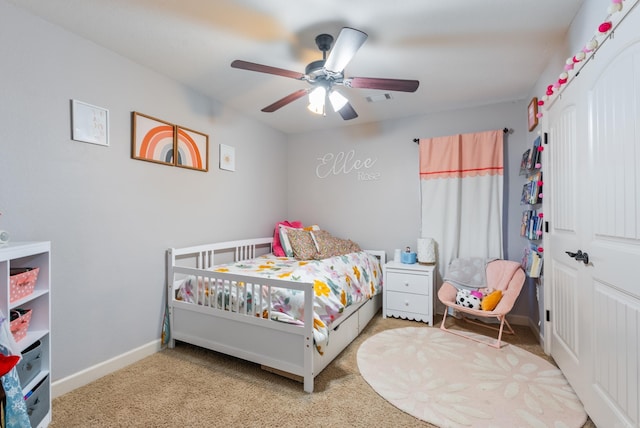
[(594, 206)]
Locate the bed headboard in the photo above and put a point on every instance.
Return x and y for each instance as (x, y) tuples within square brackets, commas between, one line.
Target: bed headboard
[(205, 256), (380, 255)]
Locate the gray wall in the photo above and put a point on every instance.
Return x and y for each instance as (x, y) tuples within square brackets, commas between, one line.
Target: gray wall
[(380, 209), (110, 218)]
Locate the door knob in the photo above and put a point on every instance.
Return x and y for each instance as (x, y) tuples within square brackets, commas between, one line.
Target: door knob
[(579, 256)]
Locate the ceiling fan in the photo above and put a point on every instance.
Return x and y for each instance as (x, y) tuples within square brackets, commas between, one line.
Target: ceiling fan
[(328, 72)]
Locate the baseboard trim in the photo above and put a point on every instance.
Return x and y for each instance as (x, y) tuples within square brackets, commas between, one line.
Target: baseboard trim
[(536, 331), (86, 376)]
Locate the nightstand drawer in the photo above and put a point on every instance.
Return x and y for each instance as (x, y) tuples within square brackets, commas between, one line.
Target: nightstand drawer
[(408, 282), (408, 302)]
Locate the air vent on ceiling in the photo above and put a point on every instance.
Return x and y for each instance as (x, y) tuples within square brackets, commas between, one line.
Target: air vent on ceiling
[(378, 98)]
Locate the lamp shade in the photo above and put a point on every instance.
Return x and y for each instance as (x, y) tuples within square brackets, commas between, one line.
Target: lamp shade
[(426, 250), (316, 100), (337, 100)]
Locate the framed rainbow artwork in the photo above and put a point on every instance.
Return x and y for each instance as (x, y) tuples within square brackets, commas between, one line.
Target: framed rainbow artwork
[(155, 140), (192, 149)]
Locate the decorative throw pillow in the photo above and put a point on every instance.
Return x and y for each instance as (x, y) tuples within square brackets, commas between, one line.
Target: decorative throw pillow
[(278, 250), (330, 246), (284, 240), (312, 228), (304, 248), (491, 300)]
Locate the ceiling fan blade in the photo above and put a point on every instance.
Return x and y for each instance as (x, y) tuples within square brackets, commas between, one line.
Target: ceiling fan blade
[(385, 84), (347, 112), (347, 44), (286, 100), (251, 66)]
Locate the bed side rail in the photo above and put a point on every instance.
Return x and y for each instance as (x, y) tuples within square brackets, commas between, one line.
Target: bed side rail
[(228, 312), (239, 294)]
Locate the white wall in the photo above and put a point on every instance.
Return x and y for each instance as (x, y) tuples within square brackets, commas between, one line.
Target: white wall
[(384, 213), (110, 218)]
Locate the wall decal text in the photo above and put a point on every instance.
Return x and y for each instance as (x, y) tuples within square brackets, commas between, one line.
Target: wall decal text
[(345, 163)]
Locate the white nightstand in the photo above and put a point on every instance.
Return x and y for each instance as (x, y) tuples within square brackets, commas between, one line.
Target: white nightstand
[(408, 291)]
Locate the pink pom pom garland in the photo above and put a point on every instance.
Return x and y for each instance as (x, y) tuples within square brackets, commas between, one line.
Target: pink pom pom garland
[(603, 30), (605, 26)]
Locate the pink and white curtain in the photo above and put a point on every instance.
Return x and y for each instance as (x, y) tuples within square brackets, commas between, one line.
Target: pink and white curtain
[(461, 181)]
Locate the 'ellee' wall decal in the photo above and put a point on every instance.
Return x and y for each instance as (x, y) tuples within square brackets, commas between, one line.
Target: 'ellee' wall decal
[(345, 163)]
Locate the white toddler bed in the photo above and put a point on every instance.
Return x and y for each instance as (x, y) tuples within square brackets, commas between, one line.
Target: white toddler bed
[(244, 322)]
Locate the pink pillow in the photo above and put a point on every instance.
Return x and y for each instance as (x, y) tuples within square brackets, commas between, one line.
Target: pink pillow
[(277, 245)]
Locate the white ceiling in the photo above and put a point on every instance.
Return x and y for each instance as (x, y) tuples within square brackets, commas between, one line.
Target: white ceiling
[(464, 53)]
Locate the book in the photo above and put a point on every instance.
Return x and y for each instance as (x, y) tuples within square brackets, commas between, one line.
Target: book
[(534, 184), (535, 154), (532, 261), (529, 162), (536, 265), (531, 158), (526, 193), (523, 163)]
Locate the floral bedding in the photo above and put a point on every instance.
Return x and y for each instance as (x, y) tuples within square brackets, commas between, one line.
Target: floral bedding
[(338, 282)]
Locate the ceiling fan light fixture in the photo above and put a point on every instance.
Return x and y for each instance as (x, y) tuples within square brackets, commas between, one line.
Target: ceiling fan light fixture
[(337, 100), (323, 74), (316, 100)]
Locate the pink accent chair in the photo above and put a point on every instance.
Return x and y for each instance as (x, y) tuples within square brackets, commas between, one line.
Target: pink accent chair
[(504, 275)]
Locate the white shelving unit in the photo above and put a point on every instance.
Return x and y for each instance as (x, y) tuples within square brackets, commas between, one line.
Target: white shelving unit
[(33, 255)]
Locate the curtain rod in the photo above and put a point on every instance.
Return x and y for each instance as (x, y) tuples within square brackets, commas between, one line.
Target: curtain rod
[(505, 130)]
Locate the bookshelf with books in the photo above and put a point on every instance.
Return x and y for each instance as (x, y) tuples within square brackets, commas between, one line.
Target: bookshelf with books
[(532, 216)]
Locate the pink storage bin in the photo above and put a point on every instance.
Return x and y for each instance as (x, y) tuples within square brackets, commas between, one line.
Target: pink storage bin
[(22, 282), (20, 323)]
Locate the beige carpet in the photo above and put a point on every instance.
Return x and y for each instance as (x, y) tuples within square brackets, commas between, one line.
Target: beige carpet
[(191, 387), (454, 382)]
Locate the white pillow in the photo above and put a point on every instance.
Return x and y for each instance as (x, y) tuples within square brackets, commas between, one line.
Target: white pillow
[(284, 240)]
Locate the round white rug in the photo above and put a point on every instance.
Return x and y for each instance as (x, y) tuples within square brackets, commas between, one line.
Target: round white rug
[(451, 381)]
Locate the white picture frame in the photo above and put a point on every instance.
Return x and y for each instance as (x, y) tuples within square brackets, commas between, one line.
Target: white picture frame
[(227, 157), (89, 123)]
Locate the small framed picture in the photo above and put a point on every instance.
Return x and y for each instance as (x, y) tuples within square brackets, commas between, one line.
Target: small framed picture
[(89, 123), (227, 157), (532, 114), (192, 149), (152, 139)]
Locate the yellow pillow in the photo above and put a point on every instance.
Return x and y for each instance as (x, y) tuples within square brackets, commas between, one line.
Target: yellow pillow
[(491, 300)]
